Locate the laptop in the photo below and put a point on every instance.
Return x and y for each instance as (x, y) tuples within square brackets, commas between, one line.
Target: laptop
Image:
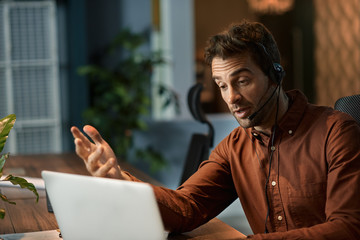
[(88, 208)]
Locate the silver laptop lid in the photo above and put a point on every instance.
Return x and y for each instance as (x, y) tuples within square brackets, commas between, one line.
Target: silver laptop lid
[(100, 208)]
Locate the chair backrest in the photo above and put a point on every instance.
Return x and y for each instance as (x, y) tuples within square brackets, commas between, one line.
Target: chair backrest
[(349, 105), (200, 143), (198, 114)]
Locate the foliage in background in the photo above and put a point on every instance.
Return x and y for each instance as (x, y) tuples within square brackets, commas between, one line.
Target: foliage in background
[(6, 124), (121, 95)]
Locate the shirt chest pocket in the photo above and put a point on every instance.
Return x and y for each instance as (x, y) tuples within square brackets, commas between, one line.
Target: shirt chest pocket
[(307, 204)]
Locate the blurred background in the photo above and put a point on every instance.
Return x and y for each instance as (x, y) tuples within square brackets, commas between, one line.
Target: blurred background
[(43, 44)]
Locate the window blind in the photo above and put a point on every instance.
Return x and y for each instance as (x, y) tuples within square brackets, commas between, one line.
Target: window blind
[(29, 82)]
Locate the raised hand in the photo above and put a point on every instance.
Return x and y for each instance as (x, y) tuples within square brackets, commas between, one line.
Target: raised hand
[(98, 156)]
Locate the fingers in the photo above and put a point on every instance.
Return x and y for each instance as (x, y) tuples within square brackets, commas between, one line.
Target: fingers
[(77, 134), (99, 158), (93, 134), (97, 169), (93, 160), (105, 169), (81, 150)]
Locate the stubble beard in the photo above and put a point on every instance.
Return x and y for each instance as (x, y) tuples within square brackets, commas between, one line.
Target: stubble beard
[(260, 118), (247, 123)]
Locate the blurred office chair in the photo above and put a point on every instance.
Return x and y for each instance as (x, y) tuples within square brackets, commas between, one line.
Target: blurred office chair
[(349, 105), (200, 143)]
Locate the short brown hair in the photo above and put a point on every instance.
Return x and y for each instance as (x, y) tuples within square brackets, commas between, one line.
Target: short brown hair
[(245, 37)]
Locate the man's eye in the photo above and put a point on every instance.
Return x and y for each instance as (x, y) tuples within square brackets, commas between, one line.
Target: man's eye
[(222, 86), (243, 81)]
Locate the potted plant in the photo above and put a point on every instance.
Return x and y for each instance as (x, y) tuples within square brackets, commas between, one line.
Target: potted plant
[(120, 95), (6, 124)]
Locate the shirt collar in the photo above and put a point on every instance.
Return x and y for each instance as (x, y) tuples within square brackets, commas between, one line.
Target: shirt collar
[(292, 118)]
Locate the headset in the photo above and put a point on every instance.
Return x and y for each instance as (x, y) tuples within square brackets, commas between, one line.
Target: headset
[(277, 72)]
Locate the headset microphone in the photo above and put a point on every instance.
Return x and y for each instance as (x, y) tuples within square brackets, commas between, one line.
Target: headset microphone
[(251, 117)]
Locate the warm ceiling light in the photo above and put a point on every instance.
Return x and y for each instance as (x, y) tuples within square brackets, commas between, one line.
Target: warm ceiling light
[(271, 6)]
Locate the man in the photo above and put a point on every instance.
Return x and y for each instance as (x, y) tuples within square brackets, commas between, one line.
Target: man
[(294, 166)]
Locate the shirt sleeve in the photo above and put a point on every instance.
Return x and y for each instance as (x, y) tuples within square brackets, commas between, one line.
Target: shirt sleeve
[(202, 197), (342, 207)]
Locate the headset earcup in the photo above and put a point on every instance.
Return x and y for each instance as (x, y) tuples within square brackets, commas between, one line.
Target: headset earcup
[(277, 73)]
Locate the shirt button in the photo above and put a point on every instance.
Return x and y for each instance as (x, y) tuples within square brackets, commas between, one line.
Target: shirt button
[(272, 148), (290, 132), (280, 218), (273, 183)]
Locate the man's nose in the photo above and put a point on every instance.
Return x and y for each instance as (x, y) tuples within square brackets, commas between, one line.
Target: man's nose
[(234, 95)]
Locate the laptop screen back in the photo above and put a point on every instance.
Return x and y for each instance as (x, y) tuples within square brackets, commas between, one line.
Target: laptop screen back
[(100, 208)]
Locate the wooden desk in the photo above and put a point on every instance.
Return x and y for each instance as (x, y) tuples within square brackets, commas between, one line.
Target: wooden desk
[(27, 216)]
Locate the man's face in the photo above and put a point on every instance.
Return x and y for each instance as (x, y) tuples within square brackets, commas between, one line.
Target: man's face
[(244, 88)]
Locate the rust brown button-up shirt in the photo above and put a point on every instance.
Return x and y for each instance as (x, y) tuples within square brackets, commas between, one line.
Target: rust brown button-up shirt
[(313, 188)]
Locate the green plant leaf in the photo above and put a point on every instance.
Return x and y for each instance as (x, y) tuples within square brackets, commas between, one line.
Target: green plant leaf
[(23, 184), (2, 162), (5, 199), (2, 213), (121, 85), (6, 124)]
